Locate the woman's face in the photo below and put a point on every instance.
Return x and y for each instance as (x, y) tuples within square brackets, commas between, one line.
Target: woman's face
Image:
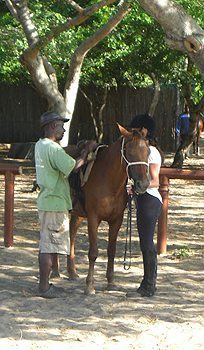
[(144, 132)]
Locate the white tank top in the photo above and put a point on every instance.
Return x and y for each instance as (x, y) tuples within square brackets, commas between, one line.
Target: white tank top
[(154, 158)]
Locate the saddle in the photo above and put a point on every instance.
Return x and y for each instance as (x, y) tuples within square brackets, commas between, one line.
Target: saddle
[(86, 169), (78, 179)]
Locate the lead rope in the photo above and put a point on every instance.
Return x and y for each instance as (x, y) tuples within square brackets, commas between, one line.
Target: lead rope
[(127, 264), (131, 197)]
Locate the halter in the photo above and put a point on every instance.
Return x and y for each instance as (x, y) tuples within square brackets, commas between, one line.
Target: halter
[(130, 163)]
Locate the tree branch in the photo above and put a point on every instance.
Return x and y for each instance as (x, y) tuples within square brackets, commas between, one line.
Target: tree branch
[(70, 23), (88, 44), (182, 31), (24, 17), (75, 6), (12, 9)]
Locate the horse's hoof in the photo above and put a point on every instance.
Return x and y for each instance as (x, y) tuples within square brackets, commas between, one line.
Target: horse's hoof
[(55, 274), (73, 276), (89, 291)]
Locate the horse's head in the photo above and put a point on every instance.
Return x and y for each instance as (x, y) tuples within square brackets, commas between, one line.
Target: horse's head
[(135, 153)]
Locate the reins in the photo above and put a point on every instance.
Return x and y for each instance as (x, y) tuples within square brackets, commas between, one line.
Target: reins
[(128, 245)]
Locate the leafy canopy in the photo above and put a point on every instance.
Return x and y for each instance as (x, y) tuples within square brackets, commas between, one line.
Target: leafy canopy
[(128, 56)]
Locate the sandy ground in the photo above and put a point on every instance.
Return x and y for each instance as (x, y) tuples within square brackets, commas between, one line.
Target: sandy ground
[(172, 319)]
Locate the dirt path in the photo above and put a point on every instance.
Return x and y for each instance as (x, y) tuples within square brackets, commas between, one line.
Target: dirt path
[(172, 319)]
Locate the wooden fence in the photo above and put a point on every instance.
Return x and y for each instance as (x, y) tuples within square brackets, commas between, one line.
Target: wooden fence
[(21, 107)]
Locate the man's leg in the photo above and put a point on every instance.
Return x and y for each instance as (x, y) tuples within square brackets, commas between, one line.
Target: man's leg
[(54, 230), (45, 266)]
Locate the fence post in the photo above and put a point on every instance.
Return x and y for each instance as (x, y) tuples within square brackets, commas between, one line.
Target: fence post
[(162, 222), (9, 209)]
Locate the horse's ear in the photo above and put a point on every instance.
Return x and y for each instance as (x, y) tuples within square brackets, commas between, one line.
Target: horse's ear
[(124, 132)]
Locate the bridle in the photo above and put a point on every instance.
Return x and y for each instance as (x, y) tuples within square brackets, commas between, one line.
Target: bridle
[(123, 157)]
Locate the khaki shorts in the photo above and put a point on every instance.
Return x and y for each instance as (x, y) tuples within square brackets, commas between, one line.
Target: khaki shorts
[(54, 232)]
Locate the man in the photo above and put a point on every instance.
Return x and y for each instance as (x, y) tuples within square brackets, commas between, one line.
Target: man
[(53, 166), (182, 126)]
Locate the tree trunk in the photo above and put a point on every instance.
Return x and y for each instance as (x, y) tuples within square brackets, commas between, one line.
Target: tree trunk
[(155, 99), (43, 74)]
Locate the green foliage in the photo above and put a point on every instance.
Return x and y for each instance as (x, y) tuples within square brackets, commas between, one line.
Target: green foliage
[(13, 41), (128, 56), (131, 53), (182, 253), (195, 9), (11, 46), (135, 50)]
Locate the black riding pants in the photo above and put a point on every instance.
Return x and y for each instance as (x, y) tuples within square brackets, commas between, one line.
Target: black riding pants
[(148, 211)]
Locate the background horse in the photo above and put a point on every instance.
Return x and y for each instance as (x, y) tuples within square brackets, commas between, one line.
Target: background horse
[(105, 197), (196, 142)]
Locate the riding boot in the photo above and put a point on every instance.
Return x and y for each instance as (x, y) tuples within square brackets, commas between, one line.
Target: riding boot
[(147, 287)]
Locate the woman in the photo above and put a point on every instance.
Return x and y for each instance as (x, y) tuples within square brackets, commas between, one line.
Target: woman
[(148, 208)]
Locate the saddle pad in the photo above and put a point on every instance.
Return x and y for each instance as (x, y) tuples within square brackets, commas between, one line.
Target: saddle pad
[(84, 175)]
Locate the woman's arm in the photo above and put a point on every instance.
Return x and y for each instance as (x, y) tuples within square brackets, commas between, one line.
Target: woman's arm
[(154, 175)]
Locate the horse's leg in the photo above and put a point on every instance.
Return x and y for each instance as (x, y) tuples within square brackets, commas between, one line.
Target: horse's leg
[(195, 144), (74, 224), (198, 144), (92, 255), (55, 266), (112, 239)]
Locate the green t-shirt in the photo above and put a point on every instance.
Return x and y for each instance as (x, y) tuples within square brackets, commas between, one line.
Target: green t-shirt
[(53, 166)]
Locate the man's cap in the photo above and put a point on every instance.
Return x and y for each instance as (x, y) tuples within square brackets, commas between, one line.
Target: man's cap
[(49, 117), (144, 121)]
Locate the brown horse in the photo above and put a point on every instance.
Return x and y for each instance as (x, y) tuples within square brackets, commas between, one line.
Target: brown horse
[(105, 197), (196, 143)]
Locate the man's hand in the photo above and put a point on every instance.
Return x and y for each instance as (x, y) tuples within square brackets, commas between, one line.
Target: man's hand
[(90, 145)]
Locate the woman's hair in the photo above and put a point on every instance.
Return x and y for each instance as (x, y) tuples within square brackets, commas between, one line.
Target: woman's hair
[(146, 121)]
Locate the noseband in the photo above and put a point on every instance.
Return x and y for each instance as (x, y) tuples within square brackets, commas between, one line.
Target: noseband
[(126, 160)]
